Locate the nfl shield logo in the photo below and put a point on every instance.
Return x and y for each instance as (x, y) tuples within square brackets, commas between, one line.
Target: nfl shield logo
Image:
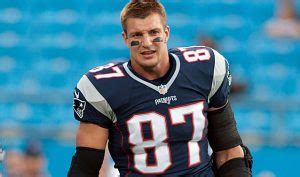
[(162, 89)]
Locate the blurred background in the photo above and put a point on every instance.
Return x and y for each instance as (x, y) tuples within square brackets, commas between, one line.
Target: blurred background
[(46, 46)]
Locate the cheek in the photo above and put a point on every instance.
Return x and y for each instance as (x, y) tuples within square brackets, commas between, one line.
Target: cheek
[(133, 50), (160, 45)]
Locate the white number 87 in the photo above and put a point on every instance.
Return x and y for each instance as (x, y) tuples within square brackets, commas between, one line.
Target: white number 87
[(158, 125)]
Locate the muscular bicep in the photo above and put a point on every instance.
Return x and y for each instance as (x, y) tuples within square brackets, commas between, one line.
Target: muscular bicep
[(91, 135)]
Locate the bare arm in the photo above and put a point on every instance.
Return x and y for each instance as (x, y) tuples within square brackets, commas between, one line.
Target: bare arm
[(91, 141), (92, 136), (228, 154)]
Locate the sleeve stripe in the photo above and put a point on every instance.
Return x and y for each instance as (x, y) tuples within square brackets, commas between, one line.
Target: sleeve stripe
[(92, 95), (219, 73)]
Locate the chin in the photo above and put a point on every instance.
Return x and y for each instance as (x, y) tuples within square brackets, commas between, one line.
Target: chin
[(149, 63)]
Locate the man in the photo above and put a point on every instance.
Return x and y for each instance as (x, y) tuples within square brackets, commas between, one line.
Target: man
[(285, 23), (13, 163), (158, 110), (35, 160)]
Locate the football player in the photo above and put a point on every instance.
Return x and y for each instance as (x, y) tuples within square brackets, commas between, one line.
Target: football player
[(160, 110)]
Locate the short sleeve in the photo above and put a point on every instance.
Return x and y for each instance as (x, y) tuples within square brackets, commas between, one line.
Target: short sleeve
[(90, 106), (221, 83)]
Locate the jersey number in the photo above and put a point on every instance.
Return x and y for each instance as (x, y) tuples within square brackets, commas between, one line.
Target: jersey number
[(158, 125), (195, 55), (116, 71)]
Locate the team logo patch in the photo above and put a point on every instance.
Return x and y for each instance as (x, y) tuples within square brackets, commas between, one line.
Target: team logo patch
[(78, 105)]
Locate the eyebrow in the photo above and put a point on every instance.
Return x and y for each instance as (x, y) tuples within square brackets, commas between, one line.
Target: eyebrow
[(154, 29), (139, 32)]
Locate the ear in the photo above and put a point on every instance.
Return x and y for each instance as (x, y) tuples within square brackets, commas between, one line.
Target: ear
[(167, 33), (124, 35)]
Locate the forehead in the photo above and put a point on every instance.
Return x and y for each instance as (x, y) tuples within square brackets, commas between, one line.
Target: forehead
[(150, 22)]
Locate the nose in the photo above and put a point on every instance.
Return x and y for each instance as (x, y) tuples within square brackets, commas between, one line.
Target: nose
[(146, 41)]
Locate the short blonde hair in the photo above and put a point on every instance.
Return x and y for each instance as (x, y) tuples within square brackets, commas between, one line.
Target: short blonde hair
[(142, 9)]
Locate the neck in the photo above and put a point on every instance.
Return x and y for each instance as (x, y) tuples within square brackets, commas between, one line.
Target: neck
[(152, 73)]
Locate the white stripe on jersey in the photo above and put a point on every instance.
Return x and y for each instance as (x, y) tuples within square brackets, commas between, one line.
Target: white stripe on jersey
[(92, 95), (219, 73)]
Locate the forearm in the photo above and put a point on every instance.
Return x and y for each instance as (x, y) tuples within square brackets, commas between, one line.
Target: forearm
[(91, 142), (234, 162), (226, 155)]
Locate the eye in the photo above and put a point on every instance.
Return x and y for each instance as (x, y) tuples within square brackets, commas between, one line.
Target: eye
[(136, 35), (154, 32)]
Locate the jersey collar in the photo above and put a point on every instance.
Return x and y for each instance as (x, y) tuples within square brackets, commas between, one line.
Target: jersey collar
[(162, 89)]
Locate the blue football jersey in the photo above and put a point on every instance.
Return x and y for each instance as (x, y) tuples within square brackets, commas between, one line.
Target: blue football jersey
[(156, 127)]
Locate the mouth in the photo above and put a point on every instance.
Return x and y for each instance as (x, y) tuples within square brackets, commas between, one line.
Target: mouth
[(148, 53)]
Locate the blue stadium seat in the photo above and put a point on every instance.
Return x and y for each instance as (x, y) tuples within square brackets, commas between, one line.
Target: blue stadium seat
[(102, 29), (96, 7), (292, 122), (5, 112), (14, 4), (253, 121), (39, 6), (33, 114), (10, 16), (10, 39), (259, 11), (180, 7)]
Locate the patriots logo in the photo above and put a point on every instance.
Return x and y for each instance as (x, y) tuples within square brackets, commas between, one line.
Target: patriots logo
[(78, 105)]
